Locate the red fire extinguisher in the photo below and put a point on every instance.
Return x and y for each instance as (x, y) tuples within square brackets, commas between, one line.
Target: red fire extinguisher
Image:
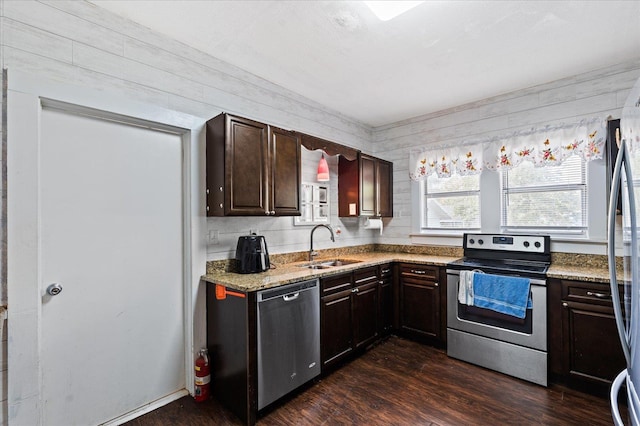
[(203, 377)]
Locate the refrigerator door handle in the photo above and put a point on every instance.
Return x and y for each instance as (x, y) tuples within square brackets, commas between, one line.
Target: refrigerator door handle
[(615, 388), (613, 201)]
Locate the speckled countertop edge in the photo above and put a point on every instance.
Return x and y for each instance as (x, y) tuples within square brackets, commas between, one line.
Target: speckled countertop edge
[(582, 267), (286, 267), (291, 272)]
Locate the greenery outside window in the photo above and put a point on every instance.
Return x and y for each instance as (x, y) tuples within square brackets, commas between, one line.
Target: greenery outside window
[(451, 203)]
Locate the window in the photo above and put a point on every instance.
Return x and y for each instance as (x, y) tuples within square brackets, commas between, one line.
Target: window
[(314, 204), (550, 180), (451, 203), (549, 199)]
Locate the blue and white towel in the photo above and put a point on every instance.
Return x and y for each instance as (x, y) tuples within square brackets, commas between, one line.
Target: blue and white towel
[(465, 288), (507, 295)]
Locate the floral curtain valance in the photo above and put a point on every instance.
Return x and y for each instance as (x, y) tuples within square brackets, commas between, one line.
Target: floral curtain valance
[(547, 146)]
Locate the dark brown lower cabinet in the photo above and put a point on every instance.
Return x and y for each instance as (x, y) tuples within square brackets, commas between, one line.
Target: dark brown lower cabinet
[(365, 306), (386, 300), (422, 303), (336, 333), (584, 348), (232, 344), (349, 310)]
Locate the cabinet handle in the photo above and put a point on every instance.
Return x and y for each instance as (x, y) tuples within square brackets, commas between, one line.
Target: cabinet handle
[(207, 191), (418, 272), (386, 271), (355, 290), (599, 295), (565, 304), (380, 282), (273, 212), (266, 212), (436, 284)]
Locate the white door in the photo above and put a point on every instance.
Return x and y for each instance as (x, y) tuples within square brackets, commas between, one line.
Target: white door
[(110, 209)]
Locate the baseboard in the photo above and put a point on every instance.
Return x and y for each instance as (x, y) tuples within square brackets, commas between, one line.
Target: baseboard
[(147, 408)]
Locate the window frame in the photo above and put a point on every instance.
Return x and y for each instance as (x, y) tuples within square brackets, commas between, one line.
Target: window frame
[(450, 194), (593, 241), (560, 230)]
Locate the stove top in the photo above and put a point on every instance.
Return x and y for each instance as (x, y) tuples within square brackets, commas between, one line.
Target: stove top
[(522, 255)]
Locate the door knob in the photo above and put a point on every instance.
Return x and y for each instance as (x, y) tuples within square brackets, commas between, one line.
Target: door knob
[(54, 289)]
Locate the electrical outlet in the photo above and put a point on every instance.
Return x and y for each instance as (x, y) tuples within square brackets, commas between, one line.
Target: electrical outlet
[(214, 236)]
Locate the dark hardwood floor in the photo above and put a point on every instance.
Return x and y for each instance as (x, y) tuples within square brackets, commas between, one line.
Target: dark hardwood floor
[(400, 382)]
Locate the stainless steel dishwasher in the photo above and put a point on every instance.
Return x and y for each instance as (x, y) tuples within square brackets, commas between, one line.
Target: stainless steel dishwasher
[(288, 339)]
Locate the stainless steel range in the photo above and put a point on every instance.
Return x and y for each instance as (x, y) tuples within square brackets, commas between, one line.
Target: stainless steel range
[(497, 340)]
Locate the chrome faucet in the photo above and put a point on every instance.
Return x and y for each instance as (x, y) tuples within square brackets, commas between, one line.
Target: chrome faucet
[(314, 253)]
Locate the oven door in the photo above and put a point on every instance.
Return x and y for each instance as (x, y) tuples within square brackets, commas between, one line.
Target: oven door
[(531, 332)]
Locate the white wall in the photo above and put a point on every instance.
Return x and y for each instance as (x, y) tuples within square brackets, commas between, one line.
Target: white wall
[(76, 42), (594, 94)]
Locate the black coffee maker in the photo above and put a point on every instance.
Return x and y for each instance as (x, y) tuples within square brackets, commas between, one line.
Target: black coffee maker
[(251, 254)]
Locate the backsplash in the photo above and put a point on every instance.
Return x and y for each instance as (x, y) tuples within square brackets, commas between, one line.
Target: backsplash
[(569, 259), (586, 260), (228, 265)]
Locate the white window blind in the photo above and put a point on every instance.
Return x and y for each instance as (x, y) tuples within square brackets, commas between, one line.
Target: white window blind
[(548, 199)]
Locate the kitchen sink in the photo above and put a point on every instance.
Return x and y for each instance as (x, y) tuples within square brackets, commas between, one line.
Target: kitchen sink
[(325, 264)]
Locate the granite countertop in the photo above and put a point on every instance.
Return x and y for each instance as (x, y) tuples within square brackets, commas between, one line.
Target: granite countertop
[(287, 273), (582, 267), (286, 269), (596, 274)]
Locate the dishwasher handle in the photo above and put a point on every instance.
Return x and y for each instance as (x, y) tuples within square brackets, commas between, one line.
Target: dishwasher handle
[(290, 297), (287, 292)]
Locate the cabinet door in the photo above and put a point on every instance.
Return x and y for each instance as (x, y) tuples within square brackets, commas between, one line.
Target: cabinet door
[(365, 314), (385, 315), (348, 187), (592, 349), (384, 188), (246, 155), (368, 191), (285, 163), (335, 327), (365, 307), (420, 301)]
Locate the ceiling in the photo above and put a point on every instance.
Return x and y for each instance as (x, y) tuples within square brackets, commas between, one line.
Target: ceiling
[(438, 55)]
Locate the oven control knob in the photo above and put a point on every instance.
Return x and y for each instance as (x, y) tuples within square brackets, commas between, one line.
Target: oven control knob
[(526, 243), (481, 242), (537, 244), (472, 241)]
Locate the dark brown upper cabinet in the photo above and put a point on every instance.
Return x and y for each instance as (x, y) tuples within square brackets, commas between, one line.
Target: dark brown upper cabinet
[(285, 172), (253, 169), (365, 187)]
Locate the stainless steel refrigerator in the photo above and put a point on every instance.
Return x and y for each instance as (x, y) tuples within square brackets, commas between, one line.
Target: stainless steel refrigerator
[(623, 244)]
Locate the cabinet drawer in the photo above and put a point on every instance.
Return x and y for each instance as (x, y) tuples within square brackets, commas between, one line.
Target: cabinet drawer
[(366, 275), (584, 292), (420, 272), (335, 284), (386, 271)]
